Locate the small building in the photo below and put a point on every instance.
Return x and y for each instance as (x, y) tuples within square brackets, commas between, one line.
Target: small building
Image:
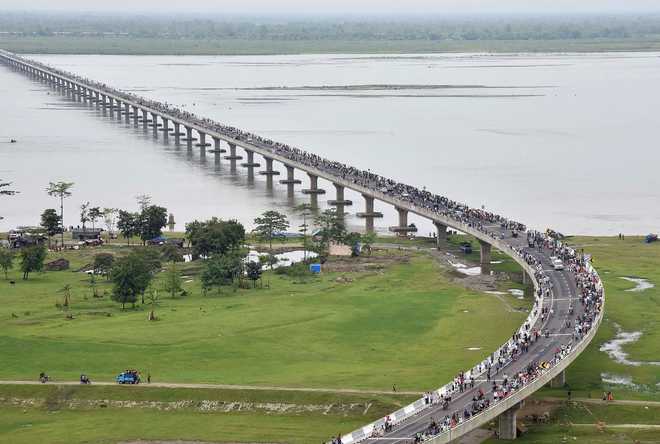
[(26, 236), (60, 264), (83, 234)]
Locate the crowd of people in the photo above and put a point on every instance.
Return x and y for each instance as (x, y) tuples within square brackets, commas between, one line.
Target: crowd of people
[(491, 224)]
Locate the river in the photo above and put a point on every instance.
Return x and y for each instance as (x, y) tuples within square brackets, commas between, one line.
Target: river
[(555, 140)]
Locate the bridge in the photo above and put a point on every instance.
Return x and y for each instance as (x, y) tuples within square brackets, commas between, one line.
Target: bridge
[(568, 303)]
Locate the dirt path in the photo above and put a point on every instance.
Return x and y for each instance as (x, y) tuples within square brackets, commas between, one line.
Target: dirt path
[(231, 387)]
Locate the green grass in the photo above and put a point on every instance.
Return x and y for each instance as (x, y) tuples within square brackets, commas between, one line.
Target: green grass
[(105, 426), (381, 329), (633, 311), (163, 46)]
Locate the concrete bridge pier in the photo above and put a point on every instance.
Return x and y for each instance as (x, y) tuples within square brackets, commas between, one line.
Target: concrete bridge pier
[(313, 191), (484, 260), (250, 164), (136, 116), (290, 180), (177, 133), (189, 138), (559, 381), (232, 157), (145, 119), (154, 123), (127, 112), (369, 214), (442, 233), (403, 229), (111, 106), (269, 171), (340, 202), (165, 129), (217, 150), (507, 428)]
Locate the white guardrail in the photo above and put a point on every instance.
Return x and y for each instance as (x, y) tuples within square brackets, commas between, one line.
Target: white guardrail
[(413, 409)]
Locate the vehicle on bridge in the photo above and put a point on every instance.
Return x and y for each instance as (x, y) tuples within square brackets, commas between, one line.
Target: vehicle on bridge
[(557, 264), (129, 377)]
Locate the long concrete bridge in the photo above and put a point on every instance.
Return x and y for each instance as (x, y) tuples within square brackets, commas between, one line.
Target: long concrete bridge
[(536, 355)]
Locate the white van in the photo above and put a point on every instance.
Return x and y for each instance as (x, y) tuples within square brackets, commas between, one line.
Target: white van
[(557, 264)]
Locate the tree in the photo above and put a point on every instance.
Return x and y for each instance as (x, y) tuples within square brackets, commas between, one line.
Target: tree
[(131, 277), (269, 224), (109, 218), (305, 210), (62, 191), (170, 253), (368, 239), (127, 224), (153, 302), (50, 221), (331, 229), (67, 295), (172, 283), (6, 260), (84, 214), (94, 214), (214, 237), (103, 264), (151, 222), (221, 270), (32, 259), (143, 200), (6, 192), (253, 271)]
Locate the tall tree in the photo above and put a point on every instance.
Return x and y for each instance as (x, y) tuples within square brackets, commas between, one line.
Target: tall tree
[(304, 210), (131, 277), (127, 223), (32, 259), (270, 224), (94, 214), (172, 282), (109, 219), (152, 220), (6, 192), (331, 229), (103, 263), (221, 270), (50, 222), (143, 200), (62, 191), (84, 214), (6, 260), (214, 237)]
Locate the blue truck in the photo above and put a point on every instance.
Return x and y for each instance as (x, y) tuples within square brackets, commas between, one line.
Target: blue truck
[(129, 377)]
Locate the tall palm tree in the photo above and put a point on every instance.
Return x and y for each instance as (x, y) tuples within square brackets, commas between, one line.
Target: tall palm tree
[(61, 190)]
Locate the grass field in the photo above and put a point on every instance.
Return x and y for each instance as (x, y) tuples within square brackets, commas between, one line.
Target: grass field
[(376, 330), (163, 46)]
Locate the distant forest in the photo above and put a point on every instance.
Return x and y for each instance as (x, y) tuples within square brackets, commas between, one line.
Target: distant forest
[(437, 28)]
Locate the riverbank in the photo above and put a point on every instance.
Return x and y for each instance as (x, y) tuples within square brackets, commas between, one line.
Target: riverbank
[(164, 46)]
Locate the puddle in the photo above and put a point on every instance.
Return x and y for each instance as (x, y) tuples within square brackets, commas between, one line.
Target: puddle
[(614, 348), (462, 268), (474, 348), (609, 378), (496, 262), (519, 294), (283, 259), (500, 293), (641, 284)]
